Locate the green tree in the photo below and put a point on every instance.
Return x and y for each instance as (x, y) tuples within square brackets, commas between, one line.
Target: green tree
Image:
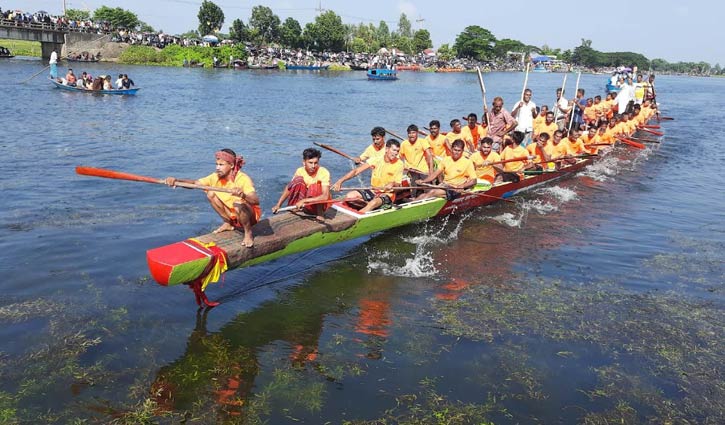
[(402, 43), (446, 53), (239, 32), (119, 18), (191, 34), (507, 45), (383, 34), (404, 27), (211, 18), (421, 41), (326, 33), (290, 33), (77, 14), (144, 27), (265, 23), (475, 42)]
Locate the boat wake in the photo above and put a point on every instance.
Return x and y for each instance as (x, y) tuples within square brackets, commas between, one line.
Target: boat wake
[(562, 194), (603, 170), (420, 262)]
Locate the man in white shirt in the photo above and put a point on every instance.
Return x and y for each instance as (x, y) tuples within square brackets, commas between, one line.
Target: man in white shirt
[(119, 82), (524, 112), (625, 95), (53, 65), (560, 108)]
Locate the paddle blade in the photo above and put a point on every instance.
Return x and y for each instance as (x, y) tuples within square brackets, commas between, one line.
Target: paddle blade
[(650, 126), (665, 118), (656, 133), (631, 143), (110, 174)]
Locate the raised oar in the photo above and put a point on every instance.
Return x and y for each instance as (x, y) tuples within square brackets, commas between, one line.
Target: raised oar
[(35, 75), (483, 93), (556, 101), (335, 150), (630, 142), (576, 89), (656, 133), (526, 81), (111, 174), (465, 192)]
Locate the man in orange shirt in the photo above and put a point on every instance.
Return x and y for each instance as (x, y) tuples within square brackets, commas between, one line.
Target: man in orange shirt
[(573, 144), (458, 175), (540, 118), (387, 173), (482, 161), (549, 126), (473, 132), (239, 208), (310, 183), (375, 150), (540, 150), (436, 140)]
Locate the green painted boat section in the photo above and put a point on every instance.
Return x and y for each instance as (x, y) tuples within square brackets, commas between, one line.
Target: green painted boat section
[(187, 272), (375, 222)]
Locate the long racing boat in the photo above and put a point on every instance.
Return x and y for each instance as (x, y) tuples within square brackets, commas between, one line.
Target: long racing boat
[(200, 260)]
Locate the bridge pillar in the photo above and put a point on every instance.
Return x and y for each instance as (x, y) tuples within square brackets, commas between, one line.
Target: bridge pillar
[(46, 48)]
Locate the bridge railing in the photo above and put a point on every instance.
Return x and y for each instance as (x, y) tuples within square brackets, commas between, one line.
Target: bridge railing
[(42, 26)]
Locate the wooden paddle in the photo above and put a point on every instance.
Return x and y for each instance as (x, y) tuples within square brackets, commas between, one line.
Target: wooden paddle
[(576, 89), (394, 135), (382, 189), (643, 140), (630, 142), (585, 155), (656, 133), (483, 93), (665, 118), (465, 192), (294, 207), (111, 174), (649, 126), (35, 75), (335, 150)]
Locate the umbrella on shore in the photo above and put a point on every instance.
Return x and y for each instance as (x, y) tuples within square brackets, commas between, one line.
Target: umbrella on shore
[(210, 38)]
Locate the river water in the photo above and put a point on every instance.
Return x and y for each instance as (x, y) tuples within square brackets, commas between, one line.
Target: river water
[(594, 299)]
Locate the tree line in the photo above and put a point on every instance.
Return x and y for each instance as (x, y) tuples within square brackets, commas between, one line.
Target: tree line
[(328, 32)]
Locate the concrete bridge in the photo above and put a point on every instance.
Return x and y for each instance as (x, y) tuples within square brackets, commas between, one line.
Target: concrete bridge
[(50, 37)]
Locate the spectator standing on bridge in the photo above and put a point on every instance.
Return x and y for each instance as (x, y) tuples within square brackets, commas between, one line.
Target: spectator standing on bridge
[(53, 65)]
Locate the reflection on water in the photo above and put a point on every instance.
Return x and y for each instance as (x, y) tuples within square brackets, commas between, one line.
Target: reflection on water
[(595, 299)]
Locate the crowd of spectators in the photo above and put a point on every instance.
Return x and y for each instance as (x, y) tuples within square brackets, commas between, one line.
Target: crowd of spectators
[(44, 20)]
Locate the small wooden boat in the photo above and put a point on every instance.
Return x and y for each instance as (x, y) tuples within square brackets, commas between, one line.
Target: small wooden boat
[(192, 260), (450, 70), (5, 53), (80, 59), (408, 67), (263, 66), (307, 67), (540, 67), (81, 90), (378, 74)]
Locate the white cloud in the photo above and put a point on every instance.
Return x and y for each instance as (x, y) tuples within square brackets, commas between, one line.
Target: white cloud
[(409, 9)]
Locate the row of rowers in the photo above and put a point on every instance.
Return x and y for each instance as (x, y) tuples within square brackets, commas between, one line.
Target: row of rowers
[(434, 172)]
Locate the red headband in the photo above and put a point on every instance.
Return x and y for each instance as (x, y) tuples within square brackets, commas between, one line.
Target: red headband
[(236, 161)]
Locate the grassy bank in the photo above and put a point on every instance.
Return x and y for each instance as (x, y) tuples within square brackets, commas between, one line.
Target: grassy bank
[(22, 47), (174, 55)]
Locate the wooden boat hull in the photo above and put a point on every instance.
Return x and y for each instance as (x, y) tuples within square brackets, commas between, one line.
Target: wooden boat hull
[(127, 92), (285, 234)]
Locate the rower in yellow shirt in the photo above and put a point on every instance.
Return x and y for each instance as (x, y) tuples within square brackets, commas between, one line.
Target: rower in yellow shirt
[(541, 151), (540, 118), (436, 140), (455, 133), (416, 154), (387, 173), (482, 160), (549, 126), (310, 183), (513, 171), (458, 175), (376, 149)]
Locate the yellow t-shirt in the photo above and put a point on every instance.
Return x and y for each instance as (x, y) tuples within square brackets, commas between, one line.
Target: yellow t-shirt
[(457, 172), (414, 154), (385, 172), (549, 129), (438, 145), (322, 176), (574, 148), (451, 137), (241, 181), (538, 121), (485, 172), (511, 153), (372, 152)]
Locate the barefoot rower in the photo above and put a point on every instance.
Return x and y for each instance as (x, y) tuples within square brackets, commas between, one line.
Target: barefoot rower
[(458, 175), (237, 209)]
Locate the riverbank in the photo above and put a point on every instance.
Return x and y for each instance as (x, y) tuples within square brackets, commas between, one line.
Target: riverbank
[(22, 47)]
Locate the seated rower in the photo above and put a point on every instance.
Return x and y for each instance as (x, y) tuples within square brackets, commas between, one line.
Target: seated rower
[(310, 183), (590, 140), (436, 140), (482, 161), (376, 149), (512, 171), (416, 154), (387, 173), (560, 150), (458, 175), (70, 78), (573, 143), (237, 209), (455, 133), (541, 151)]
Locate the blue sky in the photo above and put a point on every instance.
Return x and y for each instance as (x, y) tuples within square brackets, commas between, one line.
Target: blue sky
[(672, 30)]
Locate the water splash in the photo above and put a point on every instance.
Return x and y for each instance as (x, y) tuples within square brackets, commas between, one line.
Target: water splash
[(420, 265), (561, 194), (604, 169), (510, 219)]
